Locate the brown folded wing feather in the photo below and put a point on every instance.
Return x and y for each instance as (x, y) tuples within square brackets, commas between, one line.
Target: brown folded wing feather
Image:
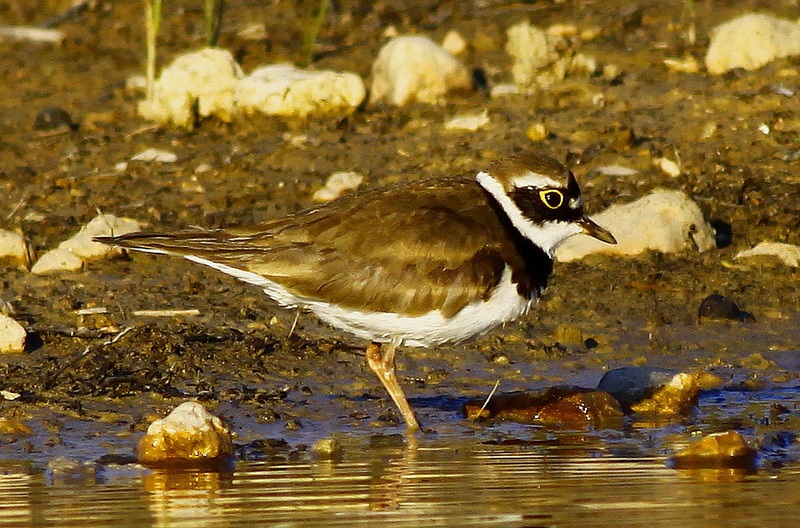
[(401, 249)]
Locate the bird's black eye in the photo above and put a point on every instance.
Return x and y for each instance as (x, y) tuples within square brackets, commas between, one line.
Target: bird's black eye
[(552, 198)]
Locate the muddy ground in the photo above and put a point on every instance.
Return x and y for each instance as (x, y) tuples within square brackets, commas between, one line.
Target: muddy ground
[(236, 355)]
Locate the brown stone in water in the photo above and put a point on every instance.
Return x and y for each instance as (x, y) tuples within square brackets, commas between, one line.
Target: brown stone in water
[(552, 406), (679, 395), (718, 450), (9, 426)]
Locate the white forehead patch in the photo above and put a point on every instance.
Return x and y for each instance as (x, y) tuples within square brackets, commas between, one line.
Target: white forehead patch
[(535, 180), (575, 203)]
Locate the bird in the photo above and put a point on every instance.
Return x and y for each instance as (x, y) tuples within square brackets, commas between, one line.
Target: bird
[(418, 263)]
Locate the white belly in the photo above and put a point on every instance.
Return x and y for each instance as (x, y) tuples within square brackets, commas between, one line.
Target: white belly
[(426, 330), (429, 329)]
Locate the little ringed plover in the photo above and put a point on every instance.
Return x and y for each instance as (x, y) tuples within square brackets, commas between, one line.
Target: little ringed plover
[(419, 263)]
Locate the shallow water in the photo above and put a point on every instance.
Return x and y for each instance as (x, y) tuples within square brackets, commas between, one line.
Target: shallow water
[(499, 475)]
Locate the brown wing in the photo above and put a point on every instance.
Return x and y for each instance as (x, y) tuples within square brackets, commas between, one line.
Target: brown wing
[(400, 249)]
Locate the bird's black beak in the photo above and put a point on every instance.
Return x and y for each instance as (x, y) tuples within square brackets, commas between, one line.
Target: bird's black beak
[(594, 230)]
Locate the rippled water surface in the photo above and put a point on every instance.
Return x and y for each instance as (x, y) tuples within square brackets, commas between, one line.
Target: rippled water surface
[(504, 475)]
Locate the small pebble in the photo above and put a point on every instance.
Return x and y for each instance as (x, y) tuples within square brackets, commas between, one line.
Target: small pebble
[(15, 248), (337, 184), (668, 167), (327, 448), (468, 122), (788, 254), (480, 83), (500, 359), (155, 155), (536, 132), (716, 307), (454, 42), (723, 232), (12, 336), (52, 118)]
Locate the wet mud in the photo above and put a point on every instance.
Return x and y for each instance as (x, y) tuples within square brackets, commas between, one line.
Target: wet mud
[(88, 385)]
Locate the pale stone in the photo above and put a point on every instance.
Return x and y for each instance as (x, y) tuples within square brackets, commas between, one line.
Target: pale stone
[(687, 64), (536, 132), (152, 155), (789, 254), (414, 68), (502, 90), (197, 84), (338, 183), (531, 50), (750, 41), (669, 167), (469, 122), (73, 253), (188, 434), (14, 247), (12, 336), (284, 90), (616, 170), (59, 259), (664, 220), (454, 42)]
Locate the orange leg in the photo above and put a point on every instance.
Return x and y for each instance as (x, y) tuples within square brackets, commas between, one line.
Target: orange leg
[(380, 358)]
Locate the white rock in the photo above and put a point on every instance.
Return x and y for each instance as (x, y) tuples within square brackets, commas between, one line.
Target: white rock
[(687, 64), (155, 155), (188, 433), (58, 259), (502, 90), (470, 122), (750, 41), (664, 220), (414, 68), (12, 336), (616, 170), (338, 183), (284, 90), (14, 246), (531, 50), (73, 253), (789, 254), (9, 395), (201, 82), (668, 167), (31, 34), (454, 42)]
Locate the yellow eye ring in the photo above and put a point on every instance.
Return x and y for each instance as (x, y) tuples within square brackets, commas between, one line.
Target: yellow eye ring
[(552, 198)]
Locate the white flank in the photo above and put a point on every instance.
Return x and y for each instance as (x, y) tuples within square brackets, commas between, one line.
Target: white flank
[(547, 235), (430, 329)]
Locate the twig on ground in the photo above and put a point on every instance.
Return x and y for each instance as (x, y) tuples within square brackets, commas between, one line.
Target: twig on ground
[(486, 402)]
